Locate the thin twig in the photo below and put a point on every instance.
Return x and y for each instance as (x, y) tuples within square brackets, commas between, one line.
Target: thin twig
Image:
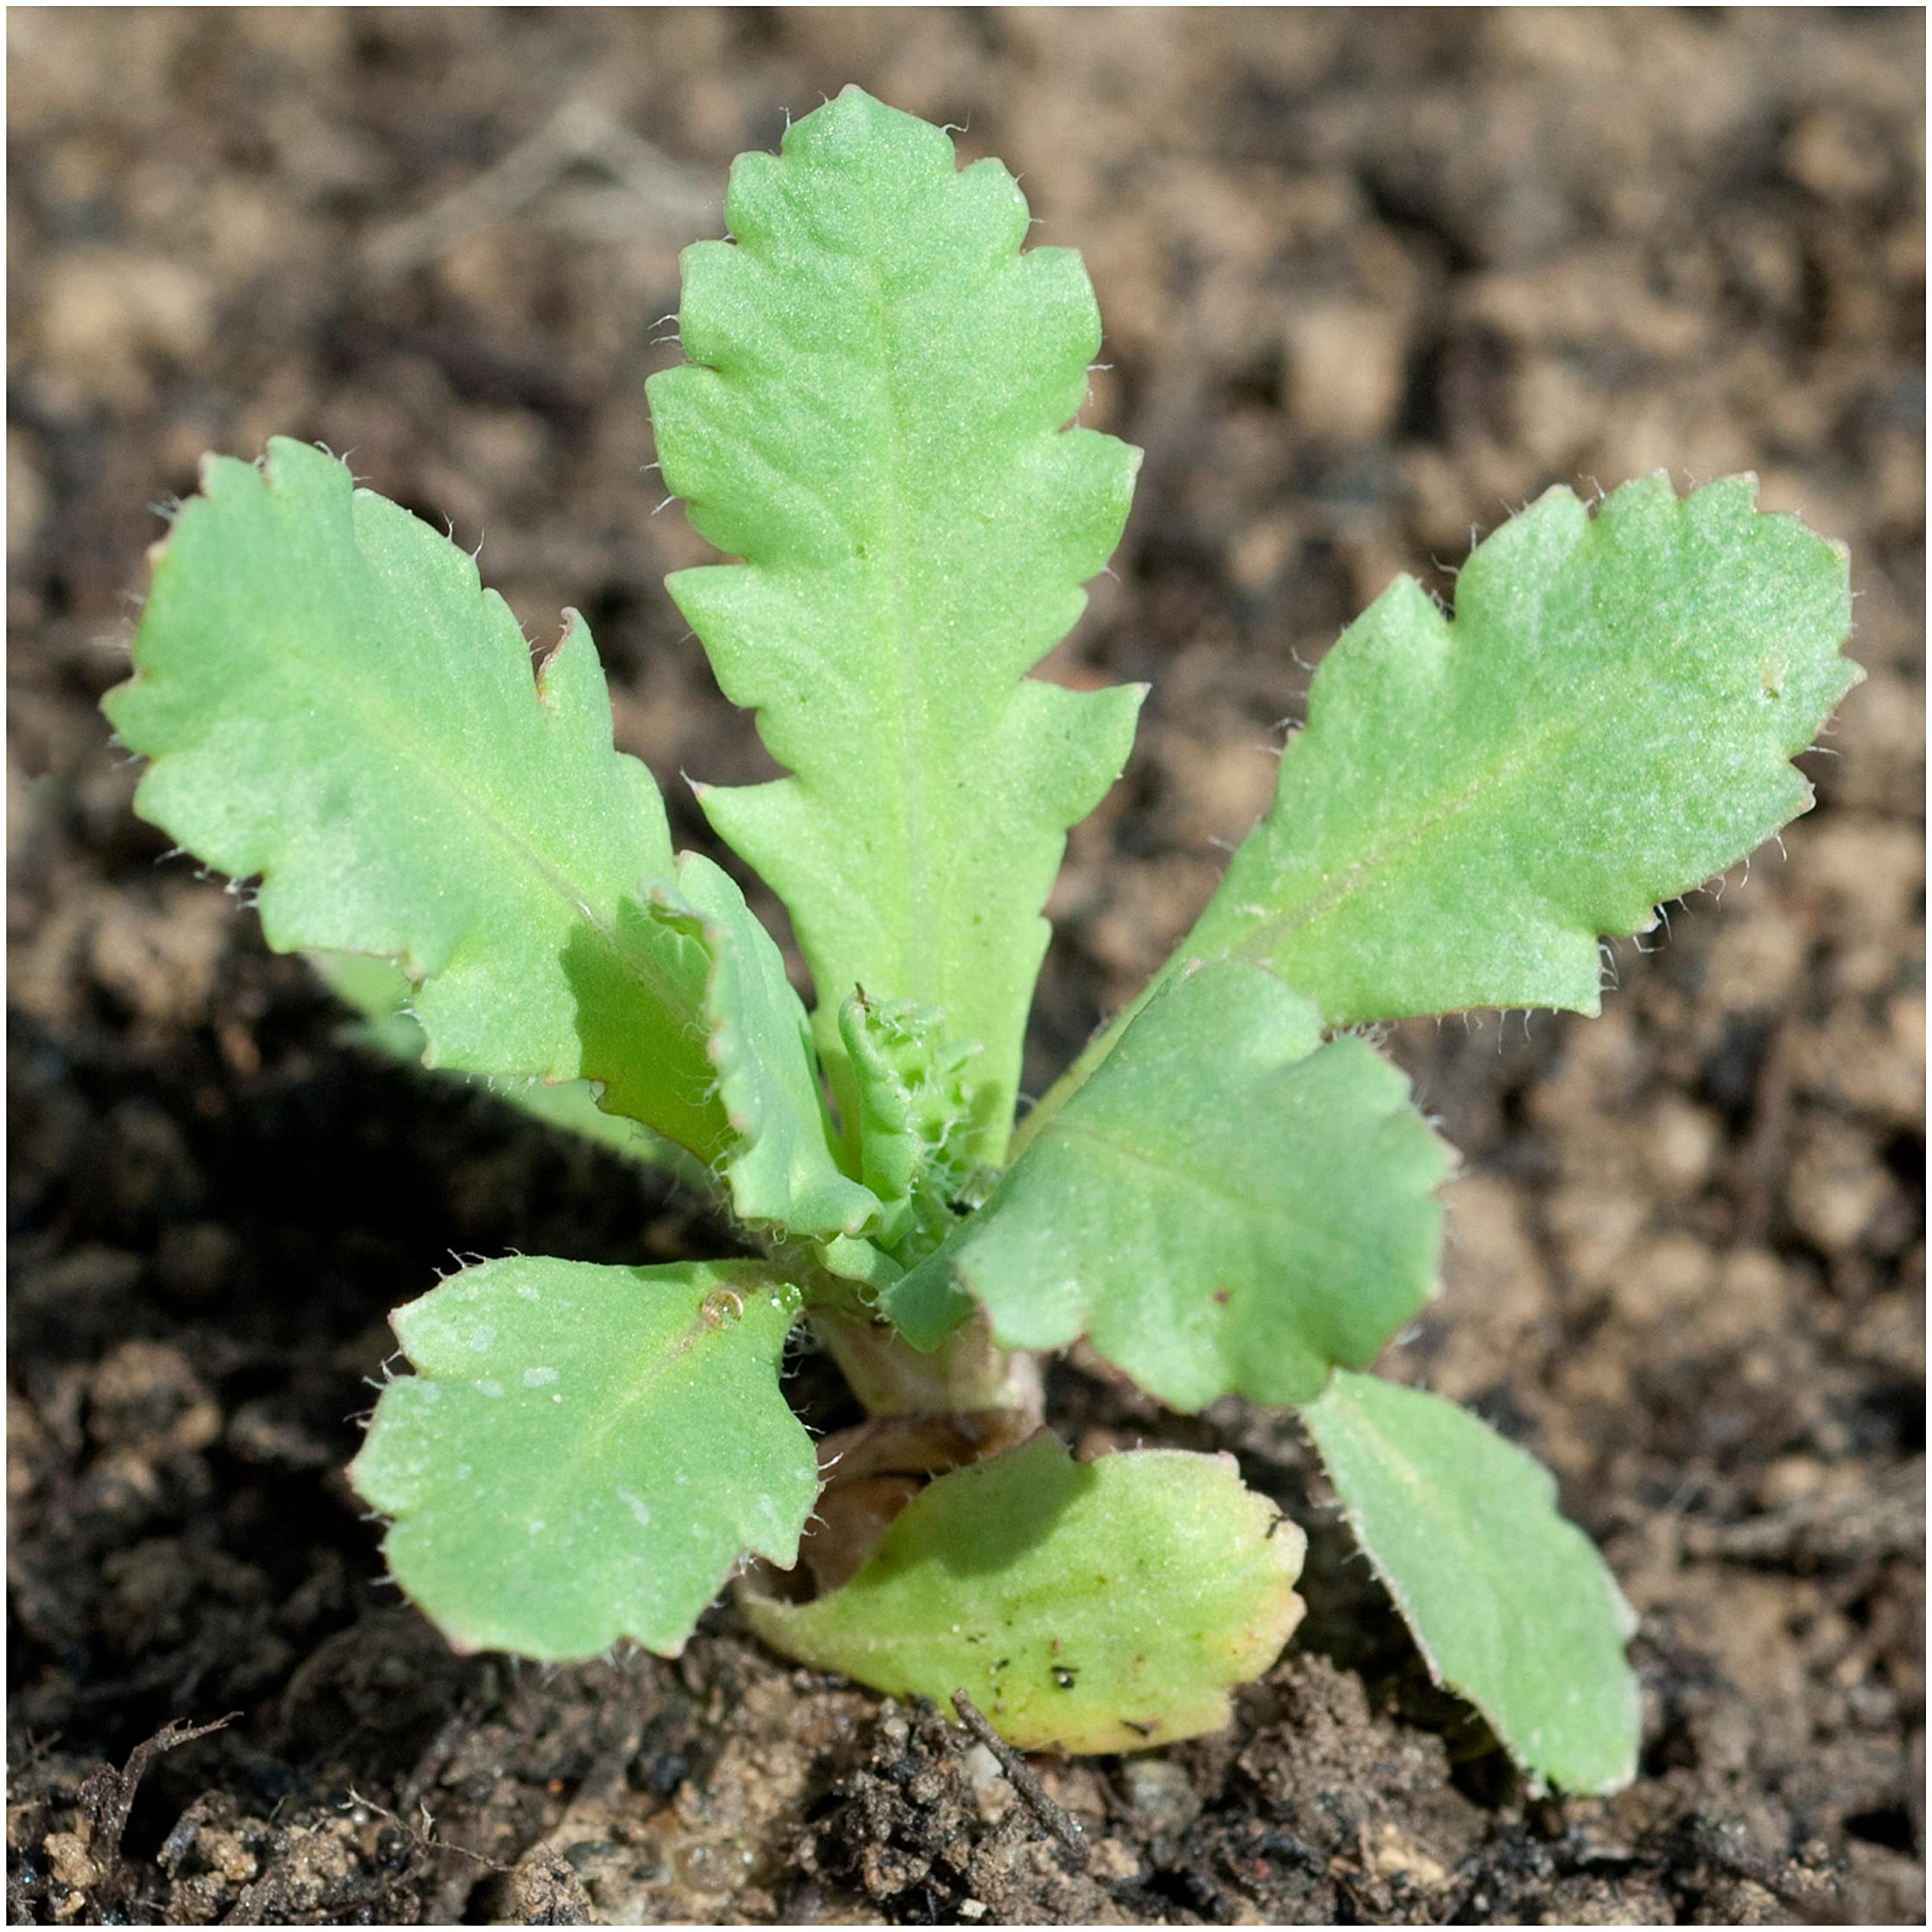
[(666, 190), (426, 1840), (1056, 1817), (113, 1791)]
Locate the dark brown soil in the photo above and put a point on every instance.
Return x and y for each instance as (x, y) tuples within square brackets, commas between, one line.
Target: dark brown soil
[(1369, 278)]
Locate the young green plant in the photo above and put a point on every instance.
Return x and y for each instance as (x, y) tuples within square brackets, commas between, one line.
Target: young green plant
[(1229, 1193)]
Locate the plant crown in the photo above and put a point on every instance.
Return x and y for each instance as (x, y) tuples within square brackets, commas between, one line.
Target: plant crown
[(1229, 1193)]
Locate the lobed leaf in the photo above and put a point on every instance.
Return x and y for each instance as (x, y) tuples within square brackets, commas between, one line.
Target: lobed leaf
[(1228, 1205), (585, 1454), (1085, 1607), (1511, 1606), (872, 417), (1608, 722), (330, 700)]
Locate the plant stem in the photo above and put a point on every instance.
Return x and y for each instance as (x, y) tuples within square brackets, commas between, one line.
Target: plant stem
[(968, 1370)]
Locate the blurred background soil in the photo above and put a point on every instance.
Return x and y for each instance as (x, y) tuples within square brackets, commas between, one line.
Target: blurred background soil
[(1370, 280)]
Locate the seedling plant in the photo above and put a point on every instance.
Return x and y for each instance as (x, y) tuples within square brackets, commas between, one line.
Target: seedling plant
[(1230, 1192)]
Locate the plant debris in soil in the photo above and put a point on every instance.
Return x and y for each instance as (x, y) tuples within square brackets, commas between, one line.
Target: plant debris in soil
[(1368, 277)]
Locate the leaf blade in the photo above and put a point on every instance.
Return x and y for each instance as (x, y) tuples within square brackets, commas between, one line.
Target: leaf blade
[(585, 1453), (329, 699), (871, 417), (1228, 1205), (1608, 722), (1102, 1606), (1512, 1606)]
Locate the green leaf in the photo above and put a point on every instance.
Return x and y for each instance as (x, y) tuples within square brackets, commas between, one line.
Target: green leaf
[(1228, 1205), (914, 1113), (872, 418), (1511, 1606), (585, 1454), (779, 1168), (379, 991), (1101, 1606), (330, 700), (1608, 722)]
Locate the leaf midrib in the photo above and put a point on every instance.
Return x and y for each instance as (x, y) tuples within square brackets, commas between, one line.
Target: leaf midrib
[(1334, 892), (917, 921), (1171, 1165), (1510, 767)]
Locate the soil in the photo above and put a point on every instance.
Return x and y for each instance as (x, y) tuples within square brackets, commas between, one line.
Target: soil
[(1369, 279)]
